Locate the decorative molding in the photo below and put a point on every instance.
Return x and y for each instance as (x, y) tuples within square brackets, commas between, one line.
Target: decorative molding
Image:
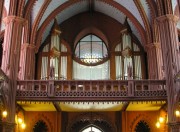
[(43, 117), (152, 46), (169, 17), (138, 118), (91, 118), (38, 19), (145, 20), (16, 19)]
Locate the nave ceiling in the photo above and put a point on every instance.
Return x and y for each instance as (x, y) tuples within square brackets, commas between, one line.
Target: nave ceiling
[(41, 14)]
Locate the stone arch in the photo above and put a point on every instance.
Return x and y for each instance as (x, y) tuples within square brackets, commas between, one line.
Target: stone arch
[(40, 125), (94, 119), (143, 124), (140, 117), (92, 30), (44, 118), (67, 45)]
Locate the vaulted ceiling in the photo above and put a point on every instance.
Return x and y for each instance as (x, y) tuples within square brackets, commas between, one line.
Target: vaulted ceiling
[(41, 14)]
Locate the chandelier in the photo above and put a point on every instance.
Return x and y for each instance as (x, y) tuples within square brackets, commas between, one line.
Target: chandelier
[(91, 58)]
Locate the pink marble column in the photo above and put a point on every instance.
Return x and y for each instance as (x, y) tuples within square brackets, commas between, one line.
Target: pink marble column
[(27, 62), (1, 11), (10, 61), (155, 62), (170, 52)]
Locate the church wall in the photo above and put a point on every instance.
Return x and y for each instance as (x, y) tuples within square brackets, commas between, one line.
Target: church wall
[(110, 27), (52, 120), (60, 121), (131, 118)]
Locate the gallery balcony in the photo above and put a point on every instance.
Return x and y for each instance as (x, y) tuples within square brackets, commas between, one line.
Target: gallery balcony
[(89, 90)]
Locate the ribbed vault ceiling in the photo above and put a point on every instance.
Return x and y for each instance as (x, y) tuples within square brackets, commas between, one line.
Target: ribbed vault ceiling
[(139, 13)]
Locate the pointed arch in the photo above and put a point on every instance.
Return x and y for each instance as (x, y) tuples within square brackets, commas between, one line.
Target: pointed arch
[(140, 117), (44, 118)]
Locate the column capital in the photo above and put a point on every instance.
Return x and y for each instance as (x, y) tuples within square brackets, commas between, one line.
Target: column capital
[(16, 19), (27, 45), (24, 46), (32, 46), (152, 46), (169, 17)]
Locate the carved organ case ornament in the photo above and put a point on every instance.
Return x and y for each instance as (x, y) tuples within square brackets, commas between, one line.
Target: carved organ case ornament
[(55, 50), (127, 47), (129, 57), (51, 54)]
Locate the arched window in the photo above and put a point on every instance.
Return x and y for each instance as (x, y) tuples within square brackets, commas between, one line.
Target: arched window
[(91, 59), (91, 129), (142, 126), (91, 50), (40, 126)]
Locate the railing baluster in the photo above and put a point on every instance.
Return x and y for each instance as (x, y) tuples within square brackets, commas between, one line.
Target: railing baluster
[(119, 89)]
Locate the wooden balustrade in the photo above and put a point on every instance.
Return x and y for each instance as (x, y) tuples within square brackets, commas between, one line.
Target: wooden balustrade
[(60, 90)]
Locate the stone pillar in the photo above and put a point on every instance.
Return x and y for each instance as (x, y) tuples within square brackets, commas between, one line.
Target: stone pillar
[(7, 127), (112, 66), (155, 62), (10, 61), (69, 66), (1, 12), (170, 53), (27, 62)]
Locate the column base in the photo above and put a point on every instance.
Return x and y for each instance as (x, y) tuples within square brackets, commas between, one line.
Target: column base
[(174, 126), (7, 126)]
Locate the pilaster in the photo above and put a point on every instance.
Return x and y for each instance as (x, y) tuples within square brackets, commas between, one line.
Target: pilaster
[(10, 60), (170, 53)]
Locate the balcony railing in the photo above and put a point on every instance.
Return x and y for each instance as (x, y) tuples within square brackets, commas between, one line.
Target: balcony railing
[(84, 90)]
